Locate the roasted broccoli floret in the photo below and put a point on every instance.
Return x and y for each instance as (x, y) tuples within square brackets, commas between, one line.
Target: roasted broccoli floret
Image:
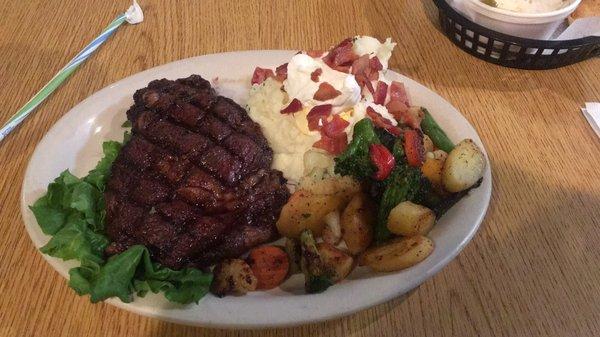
[(355, 160), (318, 277)]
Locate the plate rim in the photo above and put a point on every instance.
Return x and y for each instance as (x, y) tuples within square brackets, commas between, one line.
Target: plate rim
[(160, 314)]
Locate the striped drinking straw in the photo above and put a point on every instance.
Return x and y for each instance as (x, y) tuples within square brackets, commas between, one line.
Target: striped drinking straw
[(133, 15)]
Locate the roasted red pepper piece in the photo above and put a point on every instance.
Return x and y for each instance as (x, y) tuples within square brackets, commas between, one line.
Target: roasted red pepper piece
[(413, 147), (383, 159)]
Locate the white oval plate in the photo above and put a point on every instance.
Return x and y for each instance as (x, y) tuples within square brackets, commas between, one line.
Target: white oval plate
[(74, 143)]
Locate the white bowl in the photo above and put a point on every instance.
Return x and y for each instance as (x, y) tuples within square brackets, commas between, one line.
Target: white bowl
[(539, 26)]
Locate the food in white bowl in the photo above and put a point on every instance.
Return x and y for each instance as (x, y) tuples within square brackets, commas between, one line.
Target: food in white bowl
[(520, 18), (528, 6)]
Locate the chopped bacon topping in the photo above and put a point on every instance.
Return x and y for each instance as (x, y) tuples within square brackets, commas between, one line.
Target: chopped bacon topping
[(341, 56), (383, 159), (294, 106), (398, 93), (326, 91), (397, 109), (375, 64), (380, 93), (260, 75), (335, 127), (281, 72), (333, 137), (335, 145), (364, 73), (317, 116), (403, 114), (382, 122), (314, 76), (414, 148), (315, 53)]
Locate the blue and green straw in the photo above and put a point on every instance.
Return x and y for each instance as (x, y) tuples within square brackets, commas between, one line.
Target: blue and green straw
[(133, 15)]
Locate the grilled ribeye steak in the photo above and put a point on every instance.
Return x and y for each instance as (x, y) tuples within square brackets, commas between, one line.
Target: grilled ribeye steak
[(194, 183)]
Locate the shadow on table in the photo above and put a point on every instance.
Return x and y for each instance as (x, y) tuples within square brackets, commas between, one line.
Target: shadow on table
[(348, 325)]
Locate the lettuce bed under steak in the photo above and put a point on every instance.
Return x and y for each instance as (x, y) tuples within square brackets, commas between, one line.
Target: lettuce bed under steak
[(72, 212)]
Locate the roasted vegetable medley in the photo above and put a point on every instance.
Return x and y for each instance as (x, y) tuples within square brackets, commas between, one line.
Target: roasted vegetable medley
[(376, 209)]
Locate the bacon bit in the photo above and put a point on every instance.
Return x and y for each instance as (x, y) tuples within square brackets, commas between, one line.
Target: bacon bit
[(314, 76), (405, 115), (382, 122), (281, 72), (398, 93), (335, 127), (341, 55), (326, 91), (334, 145), (369, 86), (363, 73), (317, 116), (260, 75), (343, 69), (360, 65), (380, 93), (414, 148), (294, 106), (397, 109), (375, 64), (383, 159), (315, 53)]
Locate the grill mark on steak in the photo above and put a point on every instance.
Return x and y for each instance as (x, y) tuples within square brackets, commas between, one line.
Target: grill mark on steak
[(194, 183)]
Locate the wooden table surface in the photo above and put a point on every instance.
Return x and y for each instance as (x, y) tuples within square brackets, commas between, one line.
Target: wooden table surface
[(531, 270)]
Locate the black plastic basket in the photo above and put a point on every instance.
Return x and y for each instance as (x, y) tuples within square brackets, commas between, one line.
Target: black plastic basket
[(512, 51)]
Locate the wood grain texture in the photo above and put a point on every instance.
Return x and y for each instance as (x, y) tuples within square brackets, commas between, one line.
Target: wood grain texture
[(531, 270)]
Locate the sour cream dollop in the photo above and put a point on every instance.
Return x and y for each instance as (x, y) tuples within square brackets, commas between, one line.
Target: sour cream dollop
[(371, 46), (299, 83)]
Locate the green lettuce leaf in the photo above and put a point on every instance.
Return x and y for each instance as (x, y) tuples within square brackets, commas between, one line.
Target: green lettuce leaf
[(98, 176), (133, 270), (75, 241), (50, 219), (73, 211)]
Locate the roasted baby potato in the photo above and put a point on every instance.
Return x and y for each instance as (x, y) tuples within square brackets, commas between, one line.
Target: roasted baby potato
[(308, 206), (332, 232), (398, 254), (306, 210), (463, 167), (346, 186), (433, 167), (357, 223), (337, 260), (408, 219), (232, 277)]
